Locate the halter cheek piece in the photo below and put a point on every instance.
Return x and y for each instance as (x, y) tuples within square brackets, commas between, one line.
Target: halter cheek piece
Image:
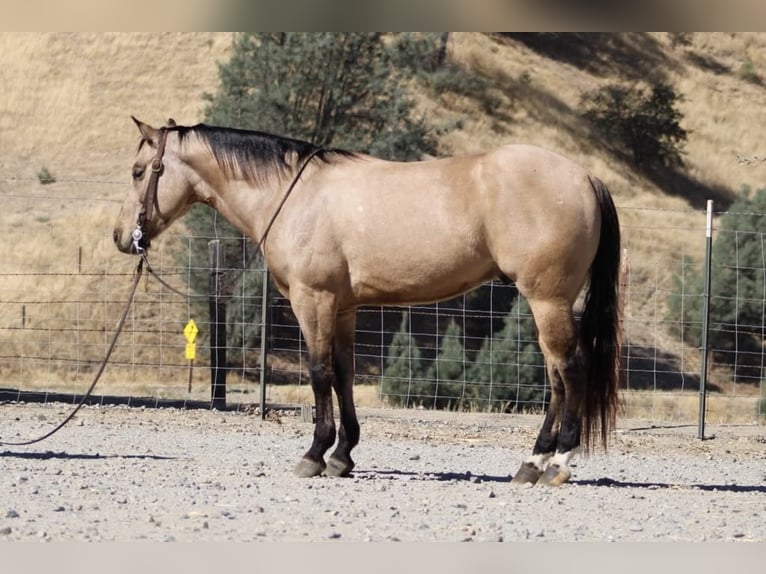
[(140, 237)]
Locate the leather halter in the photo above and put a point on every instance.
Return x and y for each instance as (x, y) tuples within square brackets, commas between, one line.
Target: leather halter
[(141, 240)]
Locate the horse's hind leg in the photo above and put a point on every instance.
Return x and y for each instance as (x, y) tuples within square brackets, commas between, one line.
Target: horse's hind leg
[(533, 467), (572, 372), (559, 436), (340, 462)]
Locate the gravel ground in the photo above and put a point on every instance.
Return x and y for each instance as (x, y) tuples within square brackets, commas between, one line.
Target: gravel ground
[(128, 474)]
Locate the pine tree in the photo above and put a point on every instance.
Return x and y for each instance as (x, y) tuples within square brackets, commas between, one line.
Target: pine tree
[(343, 90), (402, 382), (644, 122), (333, 89), (447, 372), (509, 370)]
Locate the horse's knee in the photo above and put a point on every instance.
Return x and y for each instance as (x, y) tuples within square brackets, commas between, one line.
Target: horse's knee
[(322, 377)]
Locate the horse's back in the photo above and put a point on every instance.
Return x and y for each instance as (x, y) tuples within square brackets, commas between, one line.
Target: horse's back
[(431, 229)]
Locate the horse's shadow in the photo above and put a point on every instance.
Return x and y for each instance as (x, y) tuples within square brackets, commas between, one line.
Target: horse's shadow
[(601, 482), (431, 476), (80, 456), (611, 483)]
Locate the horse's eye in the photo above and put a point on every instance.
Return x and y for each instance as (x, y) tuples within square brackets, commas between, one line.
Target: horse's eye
[(138, 171)]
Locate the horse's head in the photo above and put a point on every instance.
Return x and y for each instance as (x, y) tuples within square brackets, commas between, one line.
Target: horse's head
[(161, 192)]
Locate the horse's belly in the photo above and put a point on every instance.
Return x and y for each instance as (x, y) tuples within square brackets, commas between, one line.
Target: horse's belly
[(399, 280)]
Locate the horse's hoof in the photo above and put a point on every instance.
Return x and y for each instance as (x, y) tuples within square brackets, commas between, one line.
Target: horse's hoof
[(555, 475), (337, 467), (528, 475), (307, 468)]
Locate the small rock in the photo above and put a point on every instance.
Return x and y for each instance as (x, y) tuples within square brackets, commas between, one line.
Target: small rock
[(12, 514), (6, 530)]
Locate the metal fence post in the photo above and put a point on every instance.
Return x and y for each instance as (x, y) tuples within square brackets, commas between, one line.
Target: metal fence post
[(217, 303), (705, 318), (264, 338)]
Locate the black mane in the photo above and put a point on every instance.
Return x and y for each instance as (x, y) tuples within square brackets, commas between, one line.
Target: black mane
[(255, 155)]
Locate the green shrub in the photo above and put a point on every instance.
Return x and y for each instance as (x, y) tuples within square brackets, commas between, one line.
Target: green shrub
[(45, 177), (748, 72), (643, 122)]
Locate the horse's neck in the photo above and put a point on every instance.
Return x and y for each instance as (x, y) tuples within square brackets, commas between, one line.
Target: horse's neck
[(246, 205)]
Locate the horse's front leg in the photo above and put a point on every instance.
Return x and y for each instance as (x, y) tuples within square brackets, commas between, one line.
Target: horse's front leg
[(340, 463), (316, 315)]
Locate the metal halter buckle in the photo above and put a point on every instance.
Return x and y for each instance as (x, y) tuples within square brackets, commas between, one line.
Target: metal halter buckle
[(137, 234)]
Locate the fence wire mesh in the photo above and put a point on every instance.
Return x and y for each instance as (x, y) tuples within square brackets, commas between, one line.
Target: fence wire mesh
[(63, 285)]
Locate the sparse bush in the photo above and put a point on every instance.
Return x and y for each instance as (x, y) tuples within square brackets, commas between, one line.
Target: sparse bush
[(643, 122), (45, 177), (748, 72)]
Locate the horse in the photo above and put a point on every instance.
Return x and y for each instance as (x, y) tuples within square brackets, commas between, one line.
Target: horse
[(340, 229)]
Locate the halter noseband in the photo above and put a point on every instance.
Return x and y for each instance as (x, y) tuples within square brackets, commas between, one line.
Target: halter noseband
[(139, 235)]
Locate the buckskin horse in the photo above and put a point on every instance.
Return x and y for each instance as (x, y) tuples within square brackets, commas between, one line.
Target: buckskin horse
[(340, 229)]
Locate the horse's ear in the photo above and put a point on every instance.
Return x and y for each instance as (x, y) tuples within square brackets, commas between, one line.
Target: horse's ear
[(171, 122), (149, 133)]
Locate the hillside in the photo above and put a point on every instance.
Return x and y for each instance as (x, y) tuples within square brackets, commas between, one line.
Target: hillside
[(67, 99)]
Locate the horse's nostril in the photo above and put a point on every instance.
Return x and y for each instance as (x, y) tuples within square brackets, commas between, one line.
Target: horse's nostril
[(117, 236)]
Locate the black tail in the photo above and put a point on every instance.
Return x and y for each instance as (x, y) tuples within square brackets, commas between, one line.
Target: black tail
[(600, 332)]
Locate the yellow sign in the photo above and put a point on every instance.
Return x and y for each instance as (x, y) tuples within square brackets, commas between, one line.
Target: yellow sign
[(191, 351), (190, 331)]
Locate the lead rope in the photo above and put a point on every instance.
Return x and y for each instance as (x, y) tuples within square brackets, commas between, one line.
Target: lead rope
[(136, 278), (112, 344)]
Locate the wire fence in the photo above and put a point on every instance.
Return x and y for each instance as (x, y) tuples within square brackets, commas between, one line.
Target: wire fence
[(63, 286)]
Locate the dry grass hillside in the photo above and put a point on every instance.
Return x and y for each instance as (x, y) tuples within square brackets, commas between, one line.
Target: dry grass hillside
[(66, 101)]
